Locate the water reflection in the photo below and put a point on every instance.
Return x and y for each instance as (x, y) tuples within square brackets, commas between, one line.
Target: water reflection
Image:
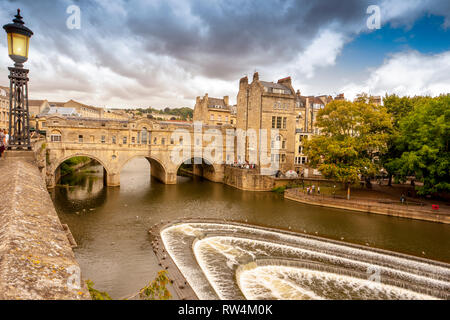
[(111, 225)]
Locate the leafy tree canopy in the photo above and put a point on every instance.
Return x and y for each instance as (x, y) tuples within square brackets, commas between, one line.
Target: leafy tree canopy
[(422, 142), (353, 136)]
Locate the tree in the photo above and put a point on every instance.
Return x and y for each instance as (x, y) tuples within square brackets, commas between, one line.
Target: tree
[(156, 290), (423, 140), (353, 135), (398, 108)]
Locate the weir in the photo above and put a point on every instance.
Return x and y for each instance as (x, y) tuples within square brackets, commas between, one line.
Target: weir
[(241, 261)]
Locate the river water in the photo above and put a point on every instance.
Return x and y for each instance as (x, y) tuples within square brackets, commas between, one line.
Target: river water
[(111, 225)]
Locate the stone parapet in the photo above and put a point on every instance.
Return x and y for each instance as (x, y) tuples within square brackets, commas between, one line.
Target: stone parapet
[(36, 259)]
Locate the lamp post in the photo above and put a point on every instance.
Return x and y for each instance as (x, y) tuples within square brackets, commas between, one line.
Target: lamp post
[(19, 117)]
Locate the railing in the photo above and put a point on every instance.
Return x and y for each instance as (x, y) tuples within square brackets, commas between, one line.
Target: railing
[(363, 203)]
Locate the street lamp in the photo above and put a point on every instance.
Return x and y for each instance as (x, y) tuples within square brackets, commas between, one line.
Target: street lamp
[(19, 117)]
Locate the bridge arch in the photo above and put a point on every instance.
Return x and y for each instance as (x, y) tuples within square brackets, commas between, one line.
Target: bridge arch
[(53, 170), (158, 169), (206, 169)]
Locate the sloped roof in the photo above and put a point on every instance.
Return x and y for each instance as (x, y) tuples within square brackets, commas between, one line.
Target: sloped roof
[(62, 111), (274, 85), (36, 102), (216, 102)]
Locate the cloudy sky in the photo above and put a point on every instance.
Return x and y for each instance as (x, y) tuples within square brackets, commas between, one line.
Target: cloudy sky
[(160, 53)]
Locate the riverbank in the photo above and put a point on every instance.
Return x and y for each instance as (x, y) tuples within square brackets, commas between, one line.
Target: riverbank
[(412, 211), (182, 288)]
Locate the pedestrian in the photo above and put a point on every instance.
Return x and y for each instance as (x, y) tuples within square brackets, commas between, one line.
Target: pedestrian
[(402, 199), (318, 190), (313, 189), (2, 142), (6, 137), (307, 190)]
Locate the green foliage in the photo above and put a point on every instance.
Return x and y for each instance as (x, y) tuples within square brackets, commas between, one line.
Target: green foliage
[(184, 113), (279, 190), (420, 145), (95, 294), (354, 134), (156, 290), (67, 166)]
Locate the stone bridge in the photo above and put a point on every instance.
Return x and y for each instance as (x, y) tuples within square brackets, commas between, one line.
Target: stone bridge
[(113, 143)]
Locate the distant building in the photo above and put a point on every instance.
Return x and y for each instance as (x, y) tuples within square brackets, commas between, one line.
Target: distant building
[(4, 108), (214, 111), (65, 112)]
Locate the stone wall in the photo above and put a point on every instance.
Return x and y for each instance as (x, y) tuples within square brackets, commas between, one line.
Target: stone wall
[(251, 180), (36, 258)]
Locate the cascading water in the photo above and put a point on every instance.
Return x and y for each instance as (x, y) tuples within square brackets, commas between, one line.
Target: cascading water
[(232, 261)]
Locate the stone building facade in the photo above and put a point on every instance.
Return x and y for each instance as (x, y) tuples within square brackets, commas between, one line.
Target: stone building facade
[(269, 106), (4, 108), (214, 111)]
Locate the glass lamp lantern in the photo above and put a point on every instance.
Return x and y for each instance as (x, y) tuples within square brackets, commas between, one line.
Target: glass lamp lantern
[(18, 40)]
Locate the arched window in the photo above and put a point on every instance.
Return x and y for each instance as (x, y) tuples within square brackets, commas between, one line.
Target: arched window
[(144, 136), (55, 136)]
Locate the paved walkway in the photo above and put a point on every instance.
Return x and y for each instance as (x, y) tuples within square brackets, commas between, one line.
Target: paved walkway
[(181, 286), (412, 210)]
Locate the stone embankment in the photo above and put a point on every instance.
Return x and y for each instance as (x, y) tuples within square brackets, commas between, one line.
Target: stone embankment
[(394, 210), (36, 258)]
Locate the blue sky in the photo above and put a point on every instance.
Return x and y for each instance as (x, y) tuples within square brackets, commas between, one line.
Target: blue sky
[(166, 52)]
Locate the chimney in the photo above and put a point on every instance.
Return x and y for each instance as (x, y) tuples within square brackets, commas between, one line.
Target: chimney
[(256, 76), (286, 81), (226, 100), (243, 82)]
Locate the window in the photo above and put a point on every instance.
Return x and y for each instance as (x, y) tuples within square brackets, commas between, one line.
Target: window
[(274, 119), (163, 141), (181, 140), (226, 119), (220, 118), (283, 158), (113, 139), (278, 122), (80, 138), (144, 136), (172, 141), (56, 137), (284, 122), (124, 140), (155, 140), (212, 117), (133, 139), (103, 139), (231, 121), (284, 144), (103, 124)]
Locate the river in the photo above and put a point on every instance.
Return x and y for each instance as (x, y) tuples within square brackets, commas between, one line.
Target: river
[(111, 225)]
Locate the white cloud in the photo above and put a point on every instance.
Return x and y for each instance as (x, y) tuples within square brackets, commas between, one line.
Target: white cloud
[(322, 52), (407, 73)]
